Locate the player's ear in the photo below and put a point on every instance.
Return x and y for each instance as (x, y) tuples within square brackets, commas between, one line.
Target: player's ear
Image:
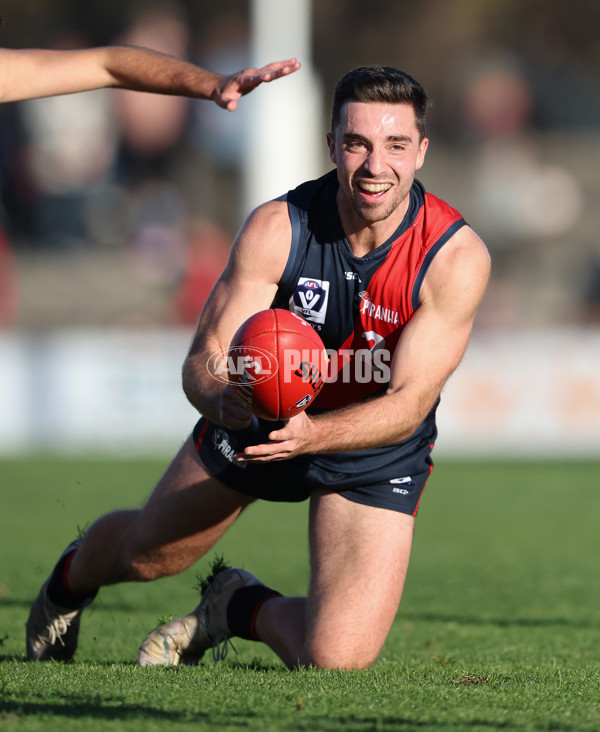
[(331, 146), (424, 144)]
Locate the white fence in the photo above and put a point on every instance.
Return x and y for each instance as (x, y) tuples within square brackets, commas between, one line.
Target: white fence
[(518, 394), (102, 391)]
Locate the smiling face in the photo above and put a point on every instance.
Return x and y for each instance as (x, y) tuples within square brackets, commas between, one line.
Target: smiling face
[(377, 149)]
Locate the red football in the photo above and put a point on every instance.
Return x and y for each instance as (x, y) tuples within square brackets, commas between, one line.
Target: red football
[(275, 364)]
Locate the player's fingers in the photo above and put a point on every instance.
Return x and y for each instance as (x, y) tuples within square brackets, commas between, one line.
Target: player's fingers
[(253, 77), (266, 452), (237, 422), (233, 415), (280, 67)]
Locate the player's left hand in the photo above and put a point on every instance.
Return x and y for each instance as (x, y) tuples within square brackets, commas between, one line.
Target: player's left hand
[(294, 438), (236, 85)]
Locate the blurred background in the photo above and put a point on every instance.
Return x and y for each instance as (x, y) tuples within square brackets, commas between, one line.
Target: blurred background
[(117, 210)]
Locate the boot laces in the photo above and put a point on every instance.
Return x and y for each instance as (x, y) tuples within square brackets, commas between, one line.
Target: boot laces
[(219, 648), (56, 628)]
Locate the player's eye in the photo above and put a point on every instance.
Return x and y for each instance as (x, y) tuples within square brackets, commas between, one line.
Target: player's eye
[(354, 145)]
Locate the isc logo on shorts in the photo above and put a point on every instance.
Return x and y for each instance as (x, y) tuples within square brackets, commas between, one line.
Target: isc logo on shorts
[(310, 299)]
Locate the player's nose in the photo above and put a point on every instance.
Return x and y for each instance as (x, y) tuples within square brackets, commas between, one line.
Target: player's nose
[(375, 163)]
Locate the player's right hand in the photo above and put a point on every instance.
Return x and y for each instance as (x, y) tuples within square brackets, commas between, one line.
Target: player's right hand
[(231, 413)]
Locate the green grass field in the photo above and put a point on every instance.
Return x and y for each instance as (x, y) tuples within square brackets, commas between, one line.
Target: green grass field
[(499, 628)]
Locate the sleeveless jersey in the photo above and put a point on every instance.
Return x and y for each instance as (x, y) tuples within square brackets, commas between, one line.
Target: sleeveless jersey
[(359, 306)]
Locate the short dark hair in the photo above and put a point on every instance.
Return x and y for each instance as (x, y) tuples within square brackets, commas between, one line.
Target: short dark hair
[(385, 84)]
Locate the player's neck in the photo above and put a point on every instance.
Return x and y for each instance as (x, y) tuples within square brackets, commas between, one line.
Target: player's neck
[(365, 236)]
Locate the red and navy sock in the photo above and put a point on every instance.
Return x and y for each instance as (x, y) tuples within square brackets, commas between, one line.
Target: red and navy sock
[(243, 609), (58, 587)]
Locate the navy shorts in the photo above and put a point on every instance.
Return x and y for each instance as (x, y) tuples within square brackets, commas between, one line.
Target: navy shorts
[(393, 477)]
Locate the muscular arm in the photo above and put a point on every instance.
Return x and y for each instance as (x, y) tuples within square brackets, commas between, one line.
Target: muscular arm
[(247, 285), (430, 348), (31, 73)]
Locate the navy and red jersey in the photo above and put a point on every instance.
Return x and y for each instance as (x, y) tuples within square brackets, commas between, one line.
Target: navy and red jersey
[(359, 305)]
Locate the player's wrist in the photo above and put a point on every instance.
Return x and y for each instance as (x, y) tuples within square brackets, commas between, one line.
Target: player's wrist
[(217, 86), (316, 435)]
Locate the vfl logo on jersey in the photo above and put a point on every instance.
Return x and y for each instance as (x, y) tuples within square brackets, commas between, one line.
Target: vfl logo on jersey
[(310, 299)]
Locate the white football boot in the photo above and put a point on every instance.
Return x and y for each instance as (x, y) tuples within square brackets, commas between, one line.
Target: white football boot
[(52, 631), (185, 640)]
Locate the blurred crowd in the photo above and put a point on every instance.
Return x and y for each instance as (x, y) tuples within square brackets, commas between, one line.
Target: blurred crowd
[(138, 181), (114, 187)]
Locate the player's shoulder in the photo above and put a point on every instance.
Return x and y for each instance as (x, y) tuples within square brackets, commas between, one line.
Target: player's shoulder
[(263, 243), (463, 262), (269, 220), (466, 243)]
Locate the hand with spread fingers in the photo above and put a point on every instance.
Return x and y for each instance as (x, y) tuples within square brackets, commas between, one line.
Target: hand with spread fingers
[(237, 85)]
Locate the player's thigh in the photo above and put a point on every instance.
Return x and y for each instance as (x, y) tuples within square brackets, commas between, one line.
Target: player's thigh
[(359, 559), (188, 509)]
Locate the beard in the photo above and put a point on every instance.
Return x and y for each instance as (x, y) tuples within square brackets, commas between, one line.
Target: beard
[(372, 212)]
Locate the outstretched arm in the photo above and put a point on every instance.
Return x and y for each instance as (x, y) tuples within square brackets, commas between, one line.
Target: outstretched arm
[(31, 73)]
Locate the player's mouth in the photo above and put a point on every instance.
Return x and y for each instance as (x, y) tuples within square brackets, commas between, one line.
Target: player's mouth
[(372, 190)]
